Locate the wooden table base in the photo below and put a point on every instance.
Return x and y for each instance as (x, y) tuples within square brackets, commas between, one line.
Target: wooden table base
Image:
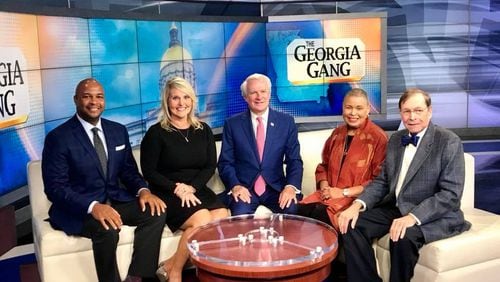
[(319, 274)]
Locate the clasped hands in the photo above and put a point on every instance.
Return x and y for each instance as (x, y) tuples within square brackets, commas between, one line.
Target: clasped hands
[(109, 217), (186, 194), (286, 197), (328, 192)]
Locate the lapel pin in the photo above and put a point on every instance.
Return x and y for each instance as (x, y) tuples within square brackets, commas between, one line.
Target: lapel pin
[(272, 123)]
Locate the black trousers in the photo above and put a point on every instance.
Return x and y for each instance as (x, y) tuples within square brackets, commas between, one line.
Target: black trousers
[(314, 210), (147, 238), (359, 255)]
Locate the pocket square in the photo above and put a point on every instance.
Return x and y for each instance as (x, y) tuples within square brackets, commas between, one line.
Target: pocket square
[(119, 148)]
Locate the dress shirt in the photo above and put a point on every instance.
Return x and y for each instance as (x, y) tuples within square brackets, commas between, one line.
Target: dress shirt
[(88, 129), (265, 118)]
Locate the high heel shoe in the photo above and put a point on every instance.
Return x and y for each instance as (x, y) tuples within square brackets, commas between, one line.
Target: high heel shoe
[(161, 273)]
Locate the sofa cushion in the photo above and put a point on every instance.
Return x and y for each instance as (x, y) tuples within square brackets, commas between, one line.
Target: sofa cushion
[(56, 242), (311, 147)]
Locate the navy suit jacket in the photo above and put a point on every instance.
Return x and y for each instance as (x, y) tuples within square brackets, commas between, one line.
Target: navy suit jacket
[(73, 176), (432, 187), (239, 162)]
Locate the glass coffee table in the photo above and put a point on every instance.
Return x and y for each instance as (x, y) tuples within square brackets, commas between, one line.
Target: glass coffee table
[(274, 247)]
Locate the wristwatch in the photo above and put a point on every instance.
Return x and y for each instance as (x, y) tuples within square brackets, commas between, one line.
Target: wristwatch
[(345, 192)]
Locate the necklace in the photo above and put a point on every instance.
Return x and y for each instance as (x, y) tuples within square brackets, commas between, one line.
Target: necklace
[(347, 144), (182, 134)]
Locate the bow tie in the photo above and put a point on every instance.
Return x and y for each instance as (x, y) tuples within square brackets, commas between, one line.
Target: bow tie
[(413, 139)]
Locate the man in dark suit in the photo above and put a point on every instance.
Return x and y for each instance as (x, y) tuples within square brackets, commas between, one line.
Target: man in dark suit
[(255, 144), (92, 180), (415, 198)]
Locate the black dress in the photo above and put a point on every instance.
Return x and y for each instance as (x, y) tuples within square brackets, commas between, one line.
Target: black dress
[(181, 155)]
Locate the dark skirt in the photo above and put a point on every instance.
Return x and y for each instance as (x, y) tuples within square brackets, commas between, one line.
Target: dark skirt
[(177, 215)]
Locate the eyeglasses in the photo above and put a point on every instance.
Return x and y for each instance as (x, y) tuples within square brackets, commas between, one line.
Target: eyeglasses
[(416, 112)]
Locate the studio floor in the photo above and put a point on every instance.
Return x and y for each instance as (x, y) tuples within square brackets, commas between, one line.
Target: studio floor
[(24, 269)]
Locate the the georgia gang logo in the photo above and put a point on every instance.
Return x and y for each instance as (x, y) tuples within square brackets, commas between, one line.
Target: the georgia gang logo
[(312, 61), (14, 98)]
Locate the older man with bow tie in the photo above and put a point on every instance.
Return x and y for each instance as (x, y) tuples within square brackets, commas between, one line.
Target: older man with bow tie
[(415, 198)]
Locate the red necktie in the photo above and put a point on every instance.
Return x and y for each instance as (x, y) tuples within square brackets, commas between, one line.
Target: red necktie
[(260, 184)]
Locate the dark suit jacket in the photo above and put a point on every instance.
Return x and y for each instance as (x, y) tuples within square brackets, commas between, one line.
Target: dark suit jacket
[(239, 158), (73, 176), (433, 185)]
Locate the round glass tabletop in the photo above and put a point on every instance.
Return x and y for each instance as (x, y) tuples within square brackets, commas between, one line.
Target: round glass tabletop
[(263, 241)]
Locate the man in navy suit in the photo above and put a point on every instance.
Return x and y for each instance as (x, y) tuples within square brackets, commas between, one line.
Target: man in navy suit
[(254, 177), (94, 191), (415, 198)]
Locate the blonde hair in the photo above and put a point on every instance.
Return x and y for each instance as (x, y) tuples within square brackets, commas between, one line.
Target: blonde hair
[(182, 85)]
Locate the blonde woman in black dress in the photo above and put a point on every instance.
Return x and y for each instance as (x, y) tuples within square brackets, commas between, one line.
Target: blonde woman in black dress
[(178, 157)]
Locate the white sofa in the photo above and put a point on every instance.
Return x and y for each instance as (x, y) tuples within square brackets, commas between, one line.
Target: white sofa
[(471, 256), (69, 258)]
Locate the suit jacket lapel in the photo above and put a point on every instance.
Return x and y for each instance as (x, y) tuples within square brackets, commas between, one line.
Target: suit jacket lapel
[(399, 161), (423, 151), (110, 145), (271, 131), (249, 133), (82, 137)]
